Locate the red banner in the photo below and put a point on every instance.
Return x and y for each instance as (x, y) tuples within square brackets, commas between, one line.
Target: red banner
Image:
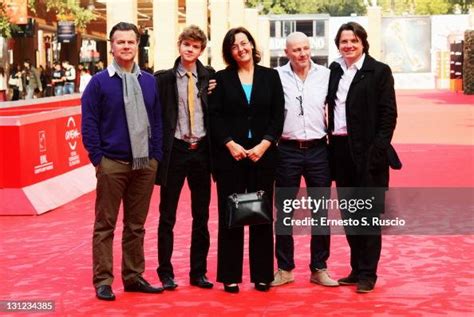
[(47, 143)]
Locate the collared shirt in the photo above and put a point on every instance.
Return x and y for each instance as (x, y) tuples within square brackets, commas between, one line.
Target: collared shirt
[(310, 123), (340, 124), (111, 70), (183, 129)]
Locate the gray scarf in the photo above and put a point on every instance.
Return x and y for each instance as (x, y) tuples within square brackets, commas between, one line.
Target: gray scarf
[(137, 117)]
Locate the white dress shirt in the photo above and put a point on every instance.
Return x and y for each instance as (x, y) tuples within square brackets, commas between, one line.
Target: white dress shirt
[(340, 124), (312, 92)]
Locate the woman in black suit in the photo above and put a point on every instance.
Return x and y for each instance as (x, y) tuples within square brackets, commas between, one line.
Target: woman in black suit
[(247, 112)]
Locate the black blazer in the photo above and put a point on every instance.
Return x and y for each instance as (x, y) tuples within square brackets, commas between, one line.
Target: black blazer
[(371, 114), (232, 116), (168, 91)]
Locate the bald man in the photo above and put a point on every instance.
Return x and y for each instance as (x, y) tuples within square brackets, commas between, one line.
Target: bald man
[(302, 153)]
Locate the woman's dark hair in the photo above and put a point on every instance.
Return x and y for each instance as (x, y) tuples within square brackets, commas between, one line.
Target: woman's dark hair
[(124, 26), (228, 42), (2, 71), (358, 30)]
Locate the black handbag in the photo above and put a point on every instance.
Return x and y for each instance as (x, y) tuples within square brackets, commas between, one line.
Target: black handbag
[(248, 209)]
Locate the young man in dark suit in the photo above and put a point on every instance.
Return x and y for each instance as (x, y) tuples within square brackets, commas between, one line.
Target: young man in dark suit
[(186, 146), (362, 118)]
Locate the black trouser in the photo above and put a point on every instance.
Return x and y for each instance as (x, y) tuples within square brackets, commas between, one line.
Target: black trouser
[(245, 177), (193, 165), (366, 246), (312, 164), (16, 94)]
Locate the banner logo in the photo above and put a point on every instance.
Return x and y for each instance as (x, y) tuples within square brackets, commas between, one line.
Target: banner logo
[(72, 134)]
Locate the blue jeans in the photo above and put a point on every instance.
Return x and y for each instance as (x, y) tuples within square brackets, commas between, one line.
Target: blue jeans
[(68, 88), (58, 90), (30, 91)]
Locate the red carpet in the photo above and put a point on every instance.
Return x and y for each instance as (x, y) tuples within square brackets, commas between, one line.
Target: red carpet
[(48, 257)]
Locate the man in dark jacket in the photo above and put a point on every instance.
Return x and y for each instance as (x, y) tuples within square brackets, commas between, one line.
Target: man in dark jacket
[(183, 94), (362, 118)]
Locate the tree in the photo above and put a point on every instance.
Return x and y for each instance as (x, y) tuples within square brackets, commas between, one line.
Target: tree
[(69, 10), (5, 25), (462, 5), (281, 6), (6, 28), (342, 8), (423, 7), (346, 7), (428, 7), (333, 7)]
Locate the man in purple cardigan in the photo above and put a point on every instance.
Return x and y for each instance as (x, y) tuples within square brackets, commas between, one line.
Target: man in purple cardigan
[(122, 131)]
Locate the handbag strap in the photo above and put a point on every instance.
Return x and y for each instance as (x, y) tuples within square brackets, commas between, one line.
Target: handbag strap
[(235, 197)]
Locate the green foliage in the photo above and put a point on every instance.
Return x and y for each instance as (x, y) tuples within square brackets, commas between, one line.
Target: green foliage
[(397, 7), (427, 7), (5, 25), (423, 7), (66, 10), (333, 7), (347, 7), (462, 5), (341, 8)]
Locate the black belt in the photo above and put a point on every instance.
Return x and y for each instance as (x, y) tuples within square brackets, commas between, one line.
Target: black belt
[(192, 146), (303, 144)]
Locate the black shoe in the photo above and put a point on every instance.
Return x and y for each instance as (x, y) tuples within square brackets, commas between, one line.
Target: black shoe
[(231, 288), (349, 280), (104, 292), (142, 286), (262, 287), (201, 282), (365, 286), (168, 283)]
